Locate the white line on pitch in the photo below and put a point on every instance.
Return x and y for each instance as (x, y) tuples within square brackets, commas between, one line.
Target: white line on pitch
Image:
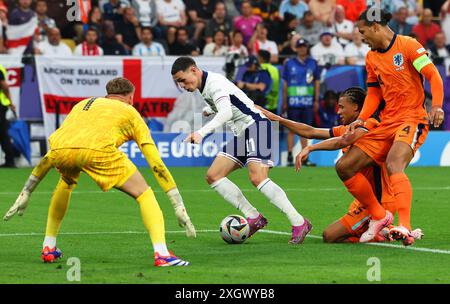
[(211, 190), (420, 249)]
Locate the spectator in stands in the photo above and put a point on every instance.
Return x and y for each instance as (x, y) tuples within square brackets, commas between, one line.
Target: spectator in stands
[(256, 82), (44, 22), (322, 10), (95, 21), (60, 13), (89, 47), (83, 9), (259, 41), (426, 29), (110, 44), (53, 45), (327, 114), (301, 88), (289, 48), (353, 8), (413, 7), (128, 29), (267, 10), (440, 51), (281, 32), (272, 96), (3, 24), (148, 47), (237, 44), (295, 7), (200, 12), (113, 9), (145, 12), (328, 51), (398, 23), (220, 21), (181, 45), (310, 29), (217, 47), (445, 19), (5, 104), (171, 16), (356, 51), (246, 22), (21, 15), (383, 4), (341, 27)]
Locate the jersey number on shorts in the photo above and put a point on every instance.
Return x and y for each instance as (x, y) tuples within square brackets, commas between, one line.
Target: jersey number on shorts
[(251, 147)]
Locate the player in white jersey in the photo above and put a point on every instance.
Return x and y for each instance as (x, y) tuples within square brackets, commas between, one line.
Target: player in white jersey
[(251, 145)]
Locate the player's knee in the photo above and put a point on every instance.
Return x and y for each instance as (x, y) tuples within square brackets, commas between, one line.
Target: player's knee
[(257, 179), (212, 177), (327, 237), (394, 166), (343, 170), (65, 185)]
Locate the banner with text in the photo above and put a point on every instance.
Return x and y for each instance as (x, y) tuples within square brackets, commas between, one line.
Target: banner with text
[(65, 81), (177, 153)]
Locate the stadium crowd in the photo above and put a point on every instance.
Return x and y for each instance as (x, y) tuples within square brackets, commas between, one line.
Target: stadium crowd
[(220, 28), (261, 33)]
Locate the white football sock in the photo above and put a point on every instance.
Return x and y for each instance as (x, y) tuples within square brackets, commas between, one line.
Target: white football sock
[(49, 241), (161, 249), (278, 197), (232, 194)]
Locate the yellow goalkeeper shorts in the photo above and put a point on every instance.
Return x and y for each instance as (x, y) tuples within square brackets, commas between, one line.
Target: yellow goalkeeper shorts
[(107, 169)]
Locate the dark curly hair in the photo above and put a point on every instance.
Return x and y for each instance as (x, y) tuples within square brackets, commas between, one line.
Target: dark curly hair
[(356, 95)]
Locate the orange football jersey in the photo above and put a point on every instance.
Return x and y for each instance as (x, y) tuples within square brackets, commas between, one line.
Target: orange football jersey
[(401, 84)]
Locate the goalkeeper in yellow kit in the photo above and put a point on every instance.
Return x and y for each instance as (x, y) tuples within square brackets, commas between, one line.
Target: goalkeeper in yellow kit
[(88, 141)]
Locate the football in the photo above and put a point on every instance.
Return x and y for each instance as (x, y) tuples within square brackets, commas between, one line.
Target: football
[(234, 229)]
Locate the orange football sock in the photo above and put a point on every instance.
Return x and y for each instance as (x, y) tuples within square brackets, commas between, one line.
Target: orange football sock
[(361, 189), (352, 239), (403, 198)]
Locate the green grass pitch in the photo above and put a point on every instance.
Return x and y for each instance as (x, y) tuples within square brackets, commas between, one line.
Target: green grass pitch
[(105, 231)]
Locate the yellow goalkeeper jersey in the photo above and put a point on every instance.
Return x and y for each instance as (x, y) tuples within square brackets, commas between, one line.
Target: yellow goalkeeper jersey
[(101, 124)]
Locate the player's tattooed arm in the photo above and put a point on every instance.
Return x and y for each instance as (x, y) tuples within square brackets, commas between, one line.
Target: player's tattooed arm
[(298, 128), (334, 143)]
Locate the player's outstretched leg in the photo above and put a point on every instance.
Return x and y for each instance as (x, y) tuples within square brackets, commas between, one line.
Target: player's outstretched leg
[(216, 177), (153, 219), (58, 207), (259, 177)]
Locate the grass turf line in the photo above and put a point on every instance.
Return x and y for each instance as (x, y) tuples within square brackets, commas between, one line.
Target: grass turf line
[(266, 258)]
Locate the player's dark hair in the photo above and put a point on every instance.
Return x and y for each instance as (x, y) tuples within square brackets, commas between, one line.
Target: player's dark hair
[(264, 55), (119, 86), (182, 64), (374, 15), (356, 95)]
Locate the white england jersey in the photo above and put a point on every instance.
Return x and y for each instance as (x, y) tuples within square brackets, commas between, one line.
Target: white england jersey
[(231, 103)]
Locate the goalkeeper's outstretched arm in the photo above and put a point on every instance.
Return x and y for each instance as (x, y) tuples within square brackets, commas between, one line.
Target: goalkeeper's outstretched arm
[(37, 175), (167, 183)]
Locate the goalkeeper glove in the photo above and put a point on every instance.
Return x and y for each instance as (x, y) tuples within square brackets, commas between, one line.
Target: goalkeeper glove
[(21, 202), (180, 212)]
